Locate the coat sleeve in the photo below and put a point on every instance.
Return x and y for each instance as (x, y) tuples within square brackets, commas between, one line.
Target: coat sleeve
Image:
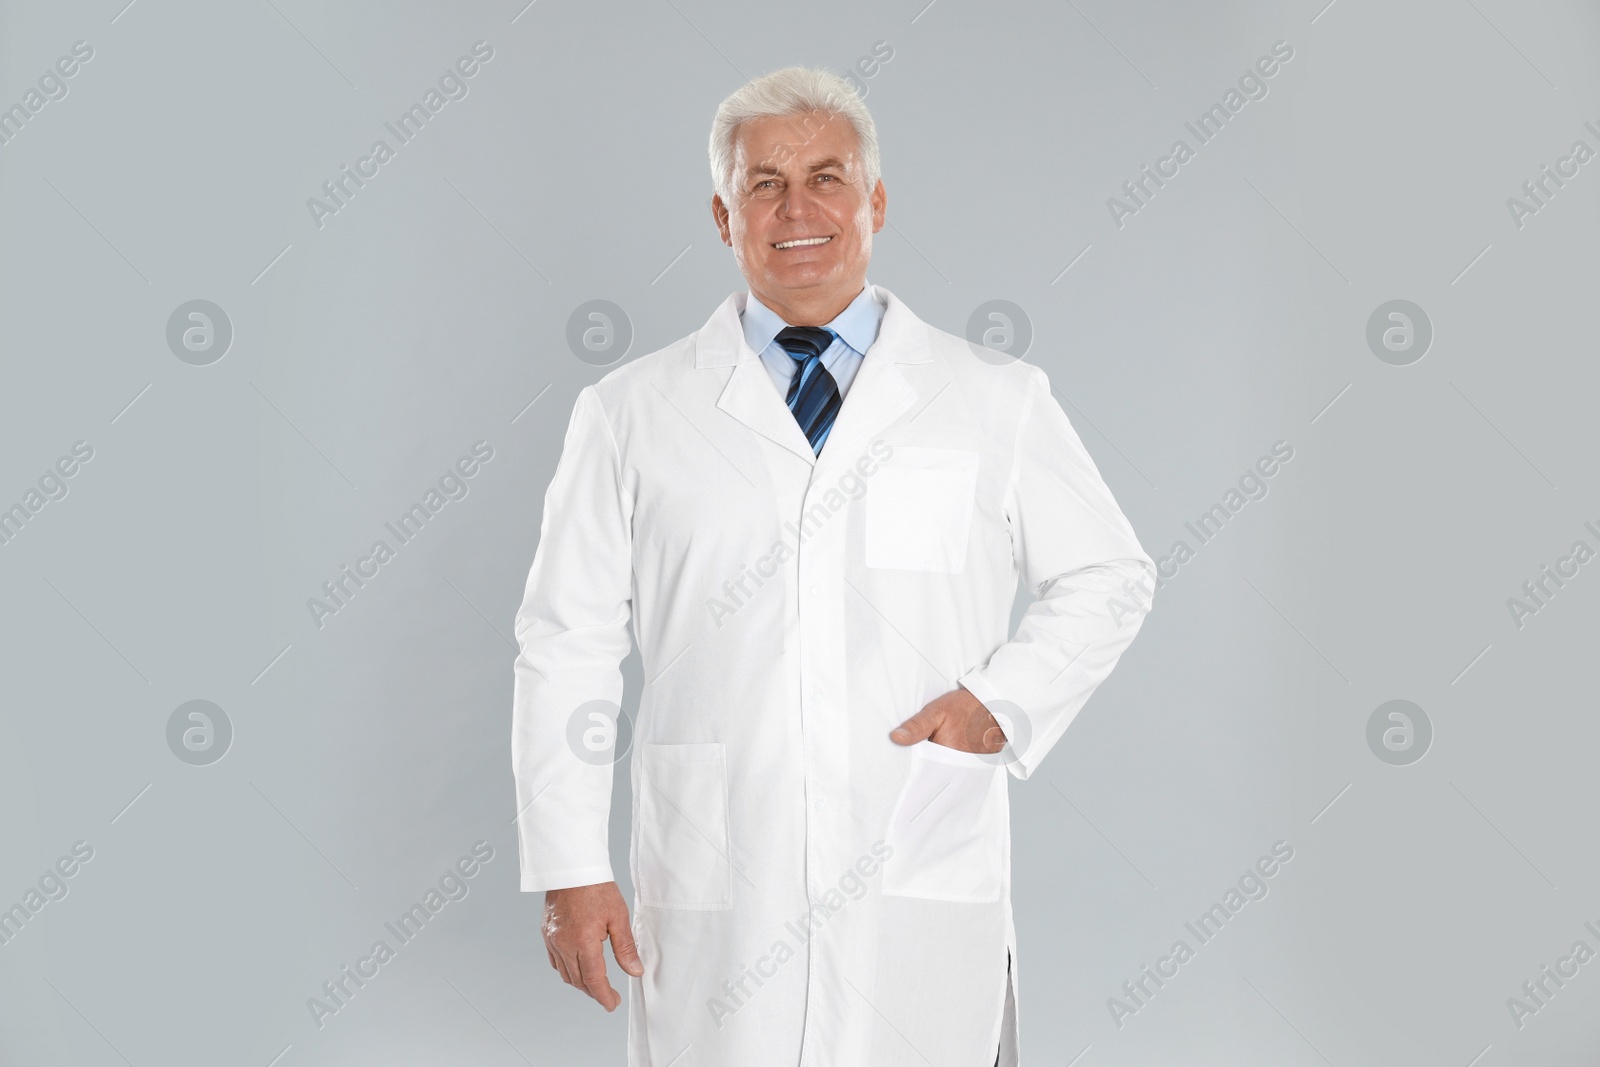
[(1092, 580), (572, 633)]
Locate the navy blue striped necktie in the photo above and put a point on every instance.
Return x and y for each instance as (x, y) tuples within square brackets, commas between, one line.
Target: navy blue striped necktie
[(813, 394)]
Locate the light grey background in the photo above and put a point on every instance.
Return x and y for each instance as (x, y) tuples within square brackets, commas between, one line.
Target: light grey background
[(368, 355)]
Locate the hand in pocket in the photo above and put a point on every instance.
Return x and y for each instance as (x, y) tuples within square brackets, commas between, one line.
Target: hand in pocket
[(956, 720)]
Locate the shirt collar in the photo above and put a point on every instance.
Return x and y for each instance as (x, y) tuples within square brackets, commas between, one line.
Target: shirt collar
[(857, 325)]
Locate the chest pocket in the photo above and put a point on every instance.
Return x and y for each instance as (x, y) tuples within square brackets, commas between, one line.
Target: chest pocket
[(919, 510), (948, 828)]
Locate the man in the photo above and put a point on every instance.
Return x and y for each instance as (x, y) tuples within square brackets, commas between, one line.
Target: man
[(813, 512)]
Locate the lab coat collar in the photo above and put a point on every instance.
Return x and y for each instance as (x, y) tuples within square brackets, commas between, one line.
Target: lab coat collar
[(880, 393), (720, 342), (857, 325)]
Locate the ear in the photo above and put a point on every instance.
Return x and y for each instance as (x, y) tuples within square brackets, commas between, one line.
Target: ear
[(880, 202), (719, 212)]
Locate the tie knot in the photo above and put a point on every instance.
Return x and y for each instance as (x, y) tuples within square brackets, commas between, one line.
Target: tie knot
[(803, 342)]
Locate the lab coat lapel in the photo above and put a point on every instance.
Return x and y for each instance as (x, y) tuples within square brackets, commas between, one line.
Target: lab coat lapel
[(880, 393), (749, 395)]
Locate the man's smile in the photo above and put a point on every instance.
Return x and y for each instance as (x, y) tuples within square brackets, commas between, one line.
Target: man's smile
[(802, 242)]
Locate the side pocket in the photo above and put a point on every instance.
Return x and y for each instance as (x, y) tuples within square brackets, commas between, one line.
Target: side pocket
[(946, 829), (683, 841)]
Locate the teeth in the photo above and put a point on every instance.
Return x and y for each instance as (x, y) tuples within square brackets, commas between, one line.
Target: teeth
[(806, 241)]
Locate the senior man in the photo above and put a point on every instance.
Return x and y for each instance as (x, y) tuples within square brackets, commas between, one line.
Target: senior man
[(813, 512)]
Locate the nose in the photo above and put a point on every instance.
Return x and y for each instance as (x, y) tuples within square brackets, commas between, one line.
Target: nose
[(798, 202)]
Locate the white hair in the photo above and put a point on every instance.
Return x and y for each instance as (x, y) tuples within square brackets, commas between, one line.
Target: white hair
[(790, 91)]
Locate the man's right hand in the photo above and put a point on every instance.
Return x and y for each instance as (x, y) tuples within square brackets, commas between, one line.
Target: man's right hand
[(576, 924)]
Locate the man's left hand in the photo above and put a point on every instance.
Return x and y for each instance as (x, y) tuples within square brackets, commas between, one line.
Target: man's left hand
[(956, 720)]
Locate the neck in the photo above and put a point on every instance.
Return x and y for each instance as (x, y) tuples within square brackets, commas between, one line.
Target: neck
[(811, 307)]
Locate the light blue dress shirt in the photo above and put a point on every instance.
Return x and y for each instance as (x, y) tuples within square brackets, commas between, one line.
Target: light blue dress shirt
[(856, 327)]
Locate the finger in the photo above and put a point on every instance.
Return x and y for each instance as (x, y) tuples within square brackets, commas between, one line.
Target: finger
[(624, 948), (592, 969), (917, 728), (567, 964)]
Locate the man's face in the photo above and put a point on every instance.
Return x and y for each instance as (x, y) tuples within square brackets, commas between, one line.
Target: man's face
[(800, 178)]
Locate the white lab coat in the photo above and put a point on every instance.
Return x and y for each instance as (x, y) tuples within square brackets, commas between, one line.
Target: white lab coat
[(765, 786)]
